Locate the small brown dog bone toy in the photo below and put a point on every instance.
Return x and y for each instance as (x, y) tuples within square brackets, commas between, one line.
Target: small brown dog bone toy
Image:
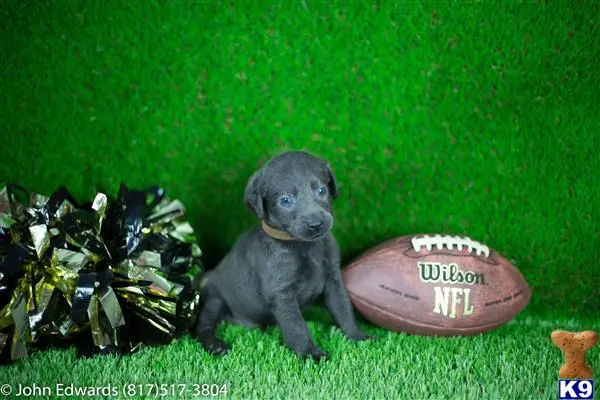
[(574, 345)]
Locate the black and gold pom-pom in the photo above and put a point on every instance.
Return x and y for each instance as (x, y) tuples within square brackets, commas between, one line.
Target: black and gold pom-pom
[(108, 276)]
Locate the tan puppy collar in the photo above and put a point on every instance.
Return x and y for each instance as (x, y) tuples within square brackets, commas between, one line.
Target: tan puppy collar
[(274, 233)]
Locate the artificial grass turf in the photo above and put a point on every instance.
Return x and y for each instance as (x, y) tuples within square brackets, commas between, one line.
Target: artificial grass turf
[(478, 119), (517, 361)]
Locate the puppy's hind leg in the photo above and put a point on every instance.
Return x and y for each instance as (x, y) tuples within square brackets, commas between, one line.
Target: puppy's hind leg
[(208, 319)]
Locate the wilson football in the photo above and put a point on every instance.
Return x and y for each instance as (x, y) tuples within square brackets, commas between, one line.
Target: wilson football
[(436, 285)]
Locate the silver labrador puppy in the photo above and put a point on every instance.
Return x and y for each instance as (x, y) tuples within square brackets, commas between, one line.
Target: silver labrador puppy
[(276, 269)]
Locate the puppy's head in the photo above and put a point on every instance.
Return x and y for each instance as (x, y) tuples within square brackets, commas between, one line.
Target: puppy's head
[(293, 193)]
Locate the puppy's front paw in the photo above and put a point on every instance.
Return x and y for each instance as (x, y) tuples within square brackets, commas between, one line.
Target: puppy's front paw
[(316, 354), (214, 345)]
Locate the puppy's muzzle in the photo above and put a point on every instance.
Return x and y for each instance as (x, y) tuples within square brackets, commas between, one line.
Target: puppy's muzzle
[(315, 228)]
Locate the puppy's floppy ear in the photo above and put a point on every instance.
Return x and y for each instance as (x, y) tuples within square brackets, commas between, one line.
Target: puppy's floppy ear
[(332, 184), (253, 196)]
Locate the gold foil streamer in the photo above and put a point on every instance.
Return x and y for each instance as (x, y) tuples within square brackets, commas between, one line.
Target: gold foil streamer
[(99, 205), (149, 258), (149, 306), (44, 292), (20, 337), (183, 232), (168, 211), (65, 325), (64, 279), (70, 259), (111, 307), (130, 269), (6, 317), (37, 200), (65, 208), (100, 339), (40, 238)]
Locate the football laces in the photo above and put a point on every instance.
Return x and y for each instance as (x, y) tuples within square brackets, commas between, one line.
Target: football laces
[(441, 242)]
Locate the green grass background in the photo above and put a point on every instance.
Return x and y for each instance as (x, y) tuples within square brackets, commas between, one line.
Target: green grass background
[(471, 118)]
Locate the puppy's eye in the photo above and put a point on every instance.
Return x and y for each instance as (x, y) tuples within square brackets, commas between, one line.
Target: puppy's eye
[(286, 201), (322, 191)]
